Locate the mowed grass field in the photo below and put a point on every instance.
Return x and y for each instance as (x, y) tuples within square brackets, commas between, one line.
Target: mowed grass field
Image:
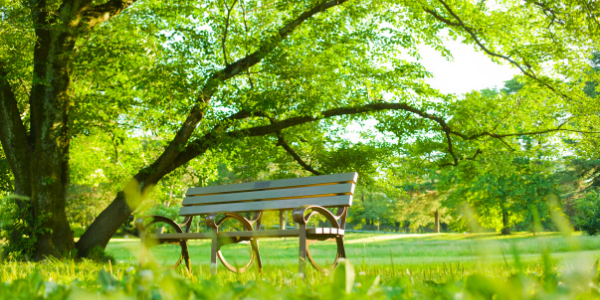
[(388, 249), (382, 266)]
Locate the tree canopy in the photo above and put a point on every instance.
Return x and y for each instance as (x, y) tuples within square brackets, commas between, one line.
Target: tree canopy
[(142, 89)]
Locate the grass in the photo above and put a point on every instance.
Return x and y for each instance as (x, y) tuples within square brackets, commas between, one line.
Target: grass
[(404, 249), (387, 266)]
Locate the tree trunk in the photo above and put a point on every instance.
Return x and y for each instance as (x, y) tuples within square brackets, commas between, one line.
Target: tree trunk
[(13, 136), (134, 193), (49, 102), (282, 217), (105, 225), (505, 224), (436, 225)]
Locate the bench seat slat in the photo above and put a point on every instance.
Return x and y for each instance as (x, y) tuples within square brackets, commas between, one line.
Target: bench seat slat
[(274, 184), (303, 192), (248, 234), (345, 200)]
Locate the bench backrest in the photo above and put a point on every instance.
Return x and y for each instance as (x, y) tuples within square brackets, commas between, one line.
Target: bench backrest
[(326, 191)]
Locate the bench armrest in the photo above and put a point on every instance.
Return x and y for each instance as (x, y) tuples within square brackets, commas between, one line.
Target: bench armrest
[(211, 220), (139, 222), (299, 215)]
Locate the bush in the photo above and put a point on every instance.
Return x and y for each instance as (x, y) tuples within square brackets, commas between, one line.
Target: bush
[(588, 218), (19, 227)]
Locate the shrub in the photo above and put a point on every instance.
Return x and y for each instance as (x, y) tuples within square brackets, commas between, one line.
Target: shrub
[(19, 227), (588, 219)]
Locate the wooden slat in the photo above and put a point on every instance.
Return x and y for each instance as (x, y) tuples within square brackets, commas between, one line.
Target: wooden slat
[(274, 184), (303, 192), (345, 200), (247, 234)]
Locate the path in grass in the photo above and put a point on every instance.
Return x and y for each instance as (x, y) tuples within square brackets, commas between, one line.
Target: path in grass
[(402, 249)]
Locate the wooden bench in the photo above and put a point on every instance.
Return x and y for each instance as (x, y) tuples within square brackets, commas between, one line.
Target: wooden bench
[(307, 197)]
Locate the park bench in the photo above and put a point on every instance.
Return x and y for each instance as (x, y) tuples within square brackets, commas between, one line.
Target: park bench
[(306, 196)]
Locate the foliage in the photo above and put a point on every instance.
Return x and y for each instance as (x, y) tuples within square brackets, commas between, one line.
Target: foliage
[(589, 213), (501, 193), (163, 92), (346, 282), (6, 177), (371, 206), (19, 227), (588, 170)]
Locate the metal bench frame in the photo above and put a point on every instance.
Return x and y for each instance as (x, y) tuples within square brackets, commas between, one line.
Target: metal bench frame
[(301, 215)]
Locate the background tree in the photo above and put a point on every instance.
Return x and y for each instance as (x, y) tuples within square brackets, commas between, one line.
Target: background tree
[(502, 193)]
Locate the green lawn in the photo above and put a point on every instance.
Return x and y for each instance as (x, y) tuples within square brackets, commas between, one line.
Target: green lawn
[(383, 249), (387, 266)]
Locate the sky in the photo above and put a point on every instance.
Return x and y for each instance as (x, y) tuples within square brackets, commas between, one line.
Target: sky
[(470, 70)]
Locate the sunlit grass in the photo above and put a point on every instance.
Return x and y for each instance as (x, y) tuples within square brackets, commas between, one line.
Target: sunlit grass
[(382, 249), (414, 266)]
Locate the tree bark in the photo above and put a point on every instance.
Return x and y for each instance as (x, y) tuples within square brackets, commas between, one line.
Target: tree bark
[(13, 137), (505, 223), (282, 215), (104, 226), (49, 104), (436, 225)]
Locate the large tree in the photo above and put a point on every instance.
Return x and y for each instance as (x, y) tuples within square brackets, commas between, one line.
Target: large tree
[(199, 78)]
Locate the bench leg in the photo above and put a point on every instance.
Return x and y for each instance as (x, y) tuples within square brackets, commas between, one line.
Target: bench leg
[(302, 258), (254, 244), (186, 255), (213, 252), (340, 246)]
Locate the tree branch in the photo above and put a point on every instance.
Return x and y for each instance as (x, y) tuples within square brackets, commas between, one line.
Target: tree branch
[(217, 79), (224, 39), (592, 11), (450, 148), (13, 135), (243, 5), (271, 43), (202, 144), (95, 15), (456, 161), (281, 142), (526, 70), (547, 10)]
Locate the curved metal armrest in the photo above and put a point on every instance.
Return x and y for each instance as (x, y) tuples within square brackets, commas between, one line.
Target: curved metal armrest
[(299, 215), (212, 222), (139, 222)]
